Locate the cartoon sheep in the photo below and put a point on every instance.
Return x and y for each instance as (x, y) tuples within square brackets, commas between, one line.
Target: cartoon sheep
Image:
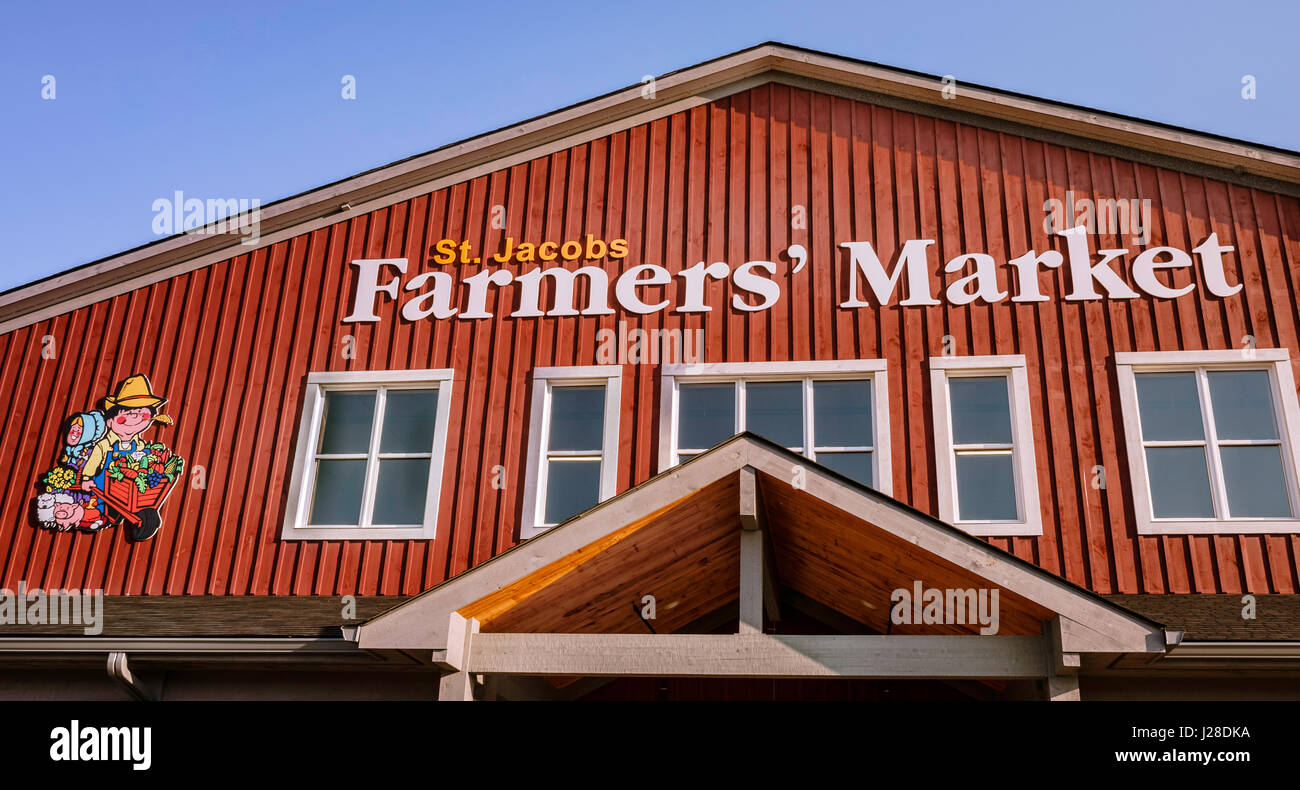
[(62, 511)]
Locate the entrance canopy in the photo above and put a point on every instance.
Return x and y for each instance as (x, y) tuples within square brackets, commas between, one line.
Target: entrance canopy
[(733, 539)]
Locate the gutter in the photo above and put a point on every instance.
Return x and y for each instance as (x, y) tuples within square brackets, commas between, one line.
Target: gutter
[(1234, 651)]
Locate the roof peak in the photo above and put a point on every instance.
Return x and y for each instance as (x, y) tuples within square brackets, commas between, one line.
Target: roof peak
[(1168, 146)]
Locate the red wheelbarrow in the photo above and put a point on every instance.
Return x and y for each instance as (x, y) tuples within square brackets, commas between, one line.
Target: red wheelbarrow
[(134, 507)]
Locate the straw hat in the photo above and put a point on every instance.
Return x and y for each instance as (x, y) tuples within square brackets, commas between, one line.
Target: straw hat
[(135, 393)]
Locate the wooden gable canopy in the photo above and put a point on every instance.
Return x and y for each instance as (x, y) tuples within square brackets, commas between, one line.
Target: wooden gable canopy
[(726, 540)]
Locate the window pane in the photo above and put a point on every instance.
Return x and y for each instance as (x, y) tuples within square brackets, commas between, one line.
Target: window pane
[(981, 411), (684, 457), (400, 493), (336, 497), (1180, 482), (855, 466), (1256, 484), (774, 410), (986, 487), (408, 421), (708, 415), (346, 427), (842, 413), (571, 488), (1243, 404), (1169, 406), (577, 418)]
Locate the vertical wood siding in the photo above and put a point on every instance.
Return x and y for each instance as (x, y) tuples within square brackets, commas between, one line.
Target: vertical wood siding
[(231, 344)]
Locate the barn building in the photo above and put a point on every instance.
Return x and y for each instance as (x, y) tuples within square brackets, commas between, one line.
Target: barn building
[(783, 376)]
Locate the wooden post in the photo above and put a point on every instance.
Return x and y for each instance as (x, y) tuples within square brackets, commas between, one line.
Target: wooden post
[(1062, 682), (751, 514), (751, 554), (751, 582), (457, 683)]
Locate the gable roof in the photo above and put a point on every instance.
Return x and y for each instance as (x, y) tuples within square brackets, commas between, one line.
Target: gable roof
[(1220, 157), (692, 517)]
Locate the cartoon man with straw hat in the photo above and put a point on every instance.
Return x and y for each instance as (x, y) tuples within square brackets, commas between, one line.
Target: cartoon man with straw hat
[(128, 412)]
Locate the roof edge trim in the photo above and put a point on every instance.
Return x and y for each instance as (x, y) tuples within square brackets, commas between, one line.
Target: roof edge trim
[(325, 205)]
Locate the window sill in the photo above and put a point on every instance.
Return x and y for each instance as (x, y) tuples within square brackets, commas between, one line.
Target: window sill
[(1000, 529), (358, 533), (1231, 527)]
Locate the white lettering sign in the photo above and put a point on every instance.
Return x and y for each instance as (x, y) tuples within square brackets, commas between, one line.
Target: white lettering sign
[(909, 280)]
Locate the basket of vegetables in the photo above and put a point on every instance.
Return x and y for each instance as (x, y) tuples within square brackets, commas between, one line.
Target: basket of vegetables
[(143, 482)]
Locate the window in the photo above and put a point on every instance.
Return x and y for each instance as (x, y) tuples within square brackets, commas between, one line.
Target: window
[(369, 457), (836, 412), (573, 444), (1211, 440), (984, 445)]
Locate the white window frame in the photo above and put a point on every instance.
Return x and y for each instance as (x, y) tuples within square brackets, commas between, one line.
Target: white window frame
[(1025, 469), (297, 509), (1275, 360), (673, 376), (610, 377)]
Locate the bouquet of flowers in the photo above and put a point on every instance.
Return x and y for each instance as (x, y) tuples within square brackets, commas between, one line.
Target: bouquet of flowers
[(60, 478), (156, 467)]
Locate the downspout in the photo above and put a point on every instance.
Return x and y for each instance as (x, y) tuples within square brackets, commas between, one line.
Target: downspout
[(138, 687)]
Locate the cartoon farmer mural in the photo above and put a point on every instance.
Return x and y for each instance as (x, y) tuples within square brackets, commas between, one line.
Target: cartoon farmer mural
[(107, 474)]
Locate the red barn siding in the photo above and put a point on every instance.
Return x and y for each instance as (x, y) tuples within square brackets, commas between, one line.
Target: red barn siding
[(231, 344)]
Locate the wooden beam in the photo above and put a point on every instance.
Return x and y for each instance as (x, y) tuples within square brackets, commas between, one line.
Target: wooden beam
[(760, 655), (459, 633), (1063, 688), (1062, 683), (458, 682), (757, 580), (751, 513), (751, 582), (1064, 662), (771, 574), (456, 687)]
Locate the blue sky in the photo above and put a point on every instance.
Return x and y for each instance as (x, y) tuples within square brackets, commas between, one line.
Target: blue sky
[(242, 99)]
